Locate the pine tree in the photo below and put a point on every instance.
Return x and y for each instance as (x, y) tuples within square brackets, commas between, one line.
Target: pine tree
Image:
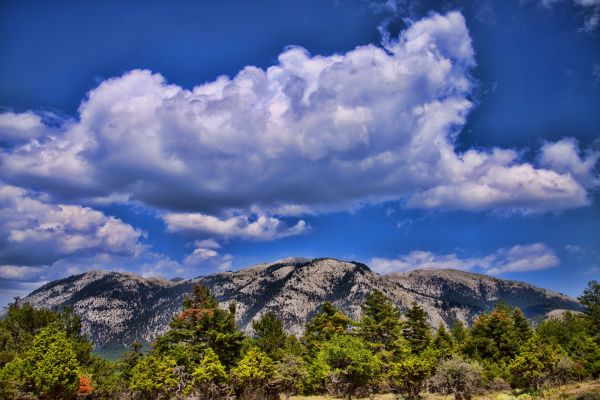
[(209, 376), (381, 327), (326, 324), (49, 368), (201, 324), (407, 376), (459, 332), (590, 299), (416, 329), (154, 377), (254, 377), (523, 331), (270, 336), (350, 364), (443, 343)]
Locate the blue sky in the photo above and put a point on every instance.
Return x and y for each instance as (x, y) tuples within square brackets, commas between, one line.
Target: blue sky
[(181, 139)]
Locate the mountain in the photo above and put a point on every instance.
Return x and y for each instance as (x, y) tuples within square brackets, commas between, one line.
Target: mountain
[(118, 308)]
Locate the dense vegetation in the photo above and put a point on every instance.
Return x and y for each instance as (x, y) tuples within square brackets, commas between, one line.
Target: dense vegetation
[(203, 356)]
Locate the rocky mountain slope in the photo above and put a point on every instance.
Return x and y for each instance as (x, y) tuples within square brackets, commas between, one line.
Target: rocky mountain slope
[(118, 308)]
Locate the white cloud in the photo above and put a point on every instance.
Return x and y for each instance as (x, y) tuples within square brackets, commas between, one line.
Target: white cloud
[(519, 258), (208, 260), (35, 231), (21, 127), (309, 134), (262, 228)]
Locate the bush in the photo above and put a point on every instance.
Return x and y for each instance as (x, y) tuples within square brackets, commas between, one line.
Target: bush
[(459, 376)]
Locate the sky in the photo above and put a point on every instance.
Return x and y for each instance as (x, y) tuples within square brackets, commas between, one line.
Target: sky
[(180, 139)]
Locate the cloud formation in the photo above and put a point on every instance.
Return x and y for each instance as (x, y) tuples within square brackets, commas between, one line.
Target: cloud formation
[(519, 258), (309, 134), (34, 231), (261, 228)]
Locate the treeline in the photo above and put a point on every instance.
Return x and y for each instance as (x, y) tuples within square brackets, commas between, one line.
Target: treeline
[(43, 354)]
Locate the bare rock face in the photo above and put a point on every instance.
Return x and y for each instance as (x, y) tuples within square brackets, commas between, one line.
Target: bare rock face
[(119, 308)]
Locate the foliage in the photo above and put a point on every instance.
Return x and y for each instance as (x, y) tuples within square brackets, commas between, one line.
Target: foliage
[(292, 374), (459, 376), (381, 327), (209, 376), (349, 365), (154, 377), (590, 299), (442, 343), (416, 329), (326, 324), (201, 324), (49, 368), (270, 336), (407, 376), (254, 377)]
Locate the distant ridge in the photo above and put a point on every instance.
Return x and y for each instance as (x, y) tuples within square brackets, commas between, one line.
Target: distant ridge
[(118, 308)]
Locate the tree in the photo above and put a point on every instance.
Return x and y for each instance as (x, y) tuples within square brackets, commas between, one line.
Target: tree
[(209, 376), (350, 364), (442, 343), (254, 376), (292, 374), (536, 361), (154, 377), (590, 299), (270, 336), (416, 329), (326, 324), (523, 331), (407, 376), (459, 332), (49, 368), (459, 376), (492, 337), (381, 327), (201, 324)]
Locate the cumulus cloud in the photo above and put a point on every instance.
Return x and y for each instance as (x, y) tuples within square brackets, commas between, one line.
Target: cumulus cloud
[(308, 134), (17, 128), (35, 231), (261, 228), (519, 258)]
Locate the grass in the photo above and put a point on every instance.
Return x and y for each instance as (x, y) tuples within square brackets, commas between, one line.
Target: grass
[(566, 392)]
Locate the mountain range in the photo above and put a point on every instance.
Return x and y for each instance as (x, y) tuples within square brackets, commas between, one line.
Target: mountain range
[(118, 308)]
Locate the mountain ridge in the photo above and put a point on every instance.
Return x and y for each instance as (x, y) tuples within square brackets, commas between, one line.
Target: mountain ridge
[(120, 307)]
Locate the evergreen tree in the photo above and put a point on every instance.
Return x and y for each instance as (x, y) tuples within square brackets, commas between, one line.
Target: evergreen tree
[(326, 324), (255, 376), (406, 377), (381, 327), (523, 331), (154, 377), (292, 374), (459, 332), (201, 324), (532, 364), (492, 337), (590, 299), (49, 368), (416, 329), (350, 364), (442, 343), (270, 336), (209, 376)]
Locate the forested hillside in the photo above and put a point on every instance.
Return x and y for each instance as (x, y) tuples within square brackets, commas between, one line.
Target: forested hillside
[(204, 355)]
